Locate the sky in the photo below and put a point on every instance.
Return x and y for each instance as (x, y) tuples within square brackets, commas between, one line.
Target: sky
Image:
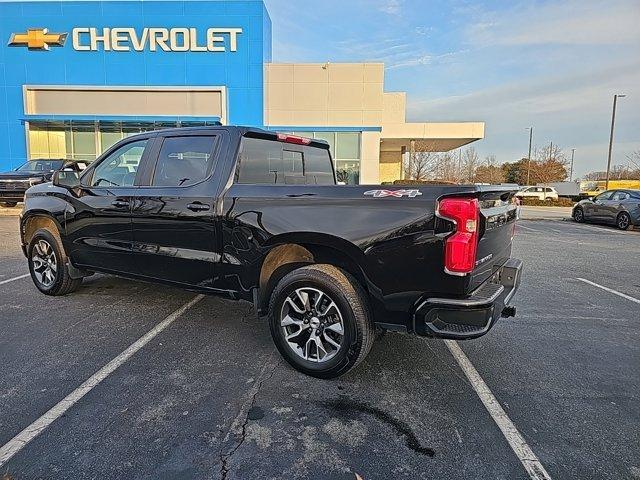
[(552, 65)]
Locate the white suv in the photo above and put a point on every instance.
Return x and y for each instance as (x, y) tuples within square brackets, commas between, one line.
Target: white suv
[(541, 193)]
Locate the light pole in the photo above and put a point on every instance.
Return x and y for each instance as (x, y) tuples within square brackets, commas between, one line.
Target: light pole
[(573, 151), (613, 122), (529, 156)]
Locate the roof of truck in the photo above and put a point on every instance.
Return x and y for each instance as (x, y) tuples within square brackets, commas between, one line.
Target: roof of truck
[(244, 131)]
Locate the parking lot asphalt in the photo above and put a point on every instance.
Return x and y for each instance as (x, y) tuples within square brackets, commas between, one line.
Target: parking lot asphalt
[(209, 397)]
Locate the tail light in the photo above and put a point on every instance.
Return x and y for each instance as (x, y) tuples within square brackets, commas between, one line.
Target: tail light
[(283, 137), (461, 247)]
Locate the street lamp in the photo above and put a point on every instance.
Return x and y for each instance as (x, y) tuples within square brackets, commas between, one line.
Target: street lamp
[(573, 151), (613, 122), (529, 156)]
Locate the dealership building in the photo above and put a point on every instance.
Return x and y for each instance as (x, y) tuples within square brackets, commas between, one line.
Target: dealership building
[(77, 76)]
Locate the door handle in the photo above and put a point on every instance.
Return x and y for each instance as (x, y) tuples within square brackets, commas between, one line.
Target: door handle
[(198, 207), (120, 203)]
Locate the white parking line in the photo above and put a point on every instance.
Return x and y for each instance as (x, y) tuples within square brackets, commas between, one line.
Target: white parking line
[(516, 441), (18, 442), (610, 290), (590, 227), (519, 225), (14, 279)]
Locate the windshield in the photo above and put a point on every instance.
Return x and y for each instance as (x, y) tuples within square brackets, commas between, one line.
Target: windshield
[(40, 166)]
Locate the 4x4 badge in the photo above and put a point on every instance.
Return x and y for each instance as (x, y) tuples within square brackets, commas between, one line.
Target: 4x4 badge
[(413, 192)]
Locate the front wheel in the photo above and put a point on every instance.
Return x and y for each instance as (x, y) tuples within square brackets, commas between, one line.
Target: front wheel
[(320, 320), (623, 221), (578, 215), (48, 266)]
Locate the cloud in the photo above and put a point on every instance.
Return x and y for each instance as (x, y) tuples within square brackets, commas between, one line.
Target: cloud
[(571, 109), (561, 23), (392, 7)]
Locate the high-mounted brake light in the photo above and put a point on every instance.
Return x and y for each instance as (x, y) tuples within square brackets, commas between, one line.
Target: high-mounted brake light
[(461, 247), (283, 137)]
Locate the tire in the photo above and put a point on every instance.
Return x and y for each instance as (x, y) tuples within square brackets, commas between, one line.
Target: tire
[(578, 215), (336, 308), (623, 222), (9, 204), (48, 265)]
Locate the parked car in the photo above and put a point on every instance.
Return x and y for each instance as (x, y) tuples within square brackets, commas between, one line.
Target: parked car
[(540, 193), (616, 207), (13, 184), (254, 215)]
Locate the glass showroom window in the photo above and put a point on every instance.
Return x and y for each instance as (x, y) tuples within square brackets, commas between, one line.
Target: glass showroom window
[(86, 140), (345, 151), (347, 157)]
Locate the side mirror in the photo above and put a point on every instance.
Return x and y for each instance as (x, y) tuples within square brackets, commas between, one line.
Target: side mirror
[(66, 179)]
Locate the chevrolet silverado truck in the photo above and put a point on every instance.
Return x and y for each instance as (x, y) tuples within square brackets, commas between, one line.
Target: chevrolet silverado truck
[(255, 215)]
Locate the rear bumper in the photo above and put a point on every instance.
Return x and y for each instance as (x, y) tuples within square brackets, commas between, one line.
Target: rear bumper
[(473, 316)]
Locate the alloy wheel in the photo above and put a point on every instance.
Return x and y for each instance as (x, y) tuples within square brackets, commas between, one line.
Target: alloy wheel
[(312, 324), (623, 222), (45, 263)]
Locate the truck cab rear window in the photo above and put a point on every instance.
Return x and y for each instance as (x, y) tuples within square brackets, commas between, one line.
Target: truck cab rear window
[(277, 163)]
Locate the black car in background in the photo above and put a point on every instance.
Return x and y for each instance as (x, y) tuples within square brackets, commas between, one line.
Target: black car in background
[(13, 184), (617, 207)]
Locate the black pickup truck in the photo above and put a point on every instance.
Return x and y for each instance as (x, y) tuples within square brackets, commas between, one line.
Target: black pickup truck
[(255, 215)]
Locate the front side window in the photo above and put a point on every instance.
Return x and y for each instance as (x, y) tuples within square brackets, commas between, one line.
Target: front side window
[(275, 163), (184, 161), (603, 196), (119, 169)]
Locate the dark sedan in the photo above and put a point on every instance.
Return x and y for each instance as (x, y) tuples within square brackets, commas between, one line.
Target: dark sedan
[(616, 207), (13, 184)]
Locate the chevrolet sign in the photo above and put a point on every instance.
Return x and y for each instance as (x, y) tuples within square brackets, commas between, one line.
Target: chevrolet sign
[(87, 39), (154, 39)]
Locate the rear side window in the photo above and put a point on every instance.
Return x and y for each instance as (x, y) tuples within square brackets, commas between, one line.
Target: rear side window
[(620, 196), (184, 161), (278, 163)]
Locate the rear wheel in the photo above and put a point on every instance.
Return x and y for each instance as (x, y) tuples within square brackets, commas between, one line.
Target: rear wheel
[(8, 204), (320, 321), (623, 221), (48, 265), (578, 215)]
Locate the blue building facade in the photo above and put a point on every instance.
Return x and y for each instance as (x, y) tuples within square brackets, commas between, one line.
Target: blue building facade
[(57, 55)]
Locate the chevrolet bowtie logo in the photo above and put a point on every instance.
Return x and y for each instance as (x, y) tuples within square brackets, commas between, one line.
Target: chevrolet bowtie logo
[(37, 39)]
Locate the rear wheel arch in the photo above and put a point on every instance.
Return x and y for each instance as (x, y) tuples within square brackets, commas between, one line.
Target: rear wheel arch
[(286, 257)]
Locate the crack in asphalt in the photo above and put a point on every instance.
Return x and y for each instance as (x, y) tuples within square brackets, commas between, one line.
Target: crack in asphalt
[(244, 412)]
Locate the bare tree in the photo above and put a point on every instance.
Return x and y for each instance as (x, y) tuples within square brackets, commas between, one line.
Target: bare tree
[(489, 171), (550, 165), (421, 161), (469, 164)]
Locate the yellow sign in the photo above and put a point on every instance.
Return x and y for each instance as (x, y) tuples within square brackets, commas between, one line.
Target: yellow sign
[(37, 39)]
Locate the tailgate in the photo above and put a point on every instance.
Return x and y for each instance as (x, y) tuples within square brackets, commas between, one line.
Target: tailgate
[(497, 226)]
